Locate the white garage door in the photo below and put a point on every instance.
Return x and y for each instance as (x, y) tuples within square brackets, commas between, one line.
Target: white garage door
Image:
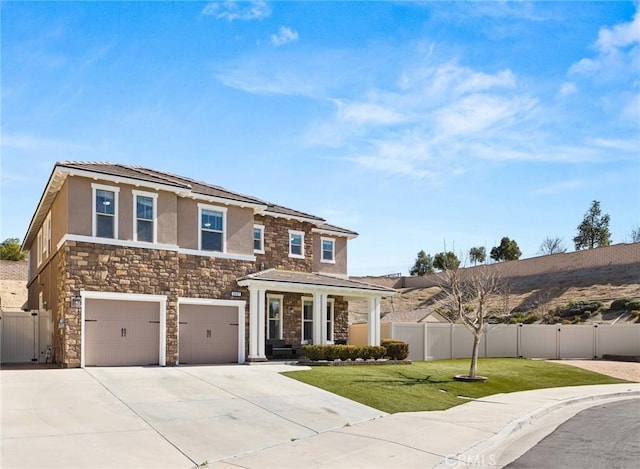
[(121, 333), (208, 334)]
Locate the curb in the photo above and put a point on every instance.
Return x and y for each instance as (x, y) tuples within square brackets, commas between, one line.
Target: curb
[(519, 423)]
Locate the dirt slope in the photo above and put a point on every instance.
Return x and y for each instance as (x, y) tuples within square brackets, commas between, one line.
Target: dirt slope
[(539, 293)]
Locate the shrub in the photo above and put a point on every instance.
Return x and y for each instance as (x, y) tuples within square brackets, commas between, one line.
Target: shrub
[(396, 349), (578, 308), (342, 352), (625, 304)]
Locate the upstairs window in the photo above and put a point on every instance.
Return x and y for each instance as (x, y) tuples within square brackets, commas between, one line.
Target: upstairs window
[(328, 250), (296, 244), (105, 209), (258, 239), (212, 225), (144, 216)]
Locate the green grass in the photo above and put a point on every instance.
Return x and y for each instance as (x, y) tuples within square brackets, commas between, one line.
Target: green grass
[(430, 385)]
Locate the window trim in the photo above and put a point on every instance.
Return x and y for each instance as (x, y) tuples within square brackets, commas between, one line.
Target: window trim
[(330, 320), (303, 339), (280, 321), (301, 234), (325, 320), (333, 250), (154, 216), (261, 228), (213, 208), (116, 195)]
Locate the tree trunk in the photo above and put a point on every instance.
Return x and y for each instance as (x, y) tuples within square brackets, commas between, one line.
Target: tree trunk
[(474, 355)]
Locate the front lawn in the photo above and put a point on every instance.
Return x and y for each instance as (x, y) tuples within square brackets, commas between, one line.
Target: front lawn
[(430, 385)]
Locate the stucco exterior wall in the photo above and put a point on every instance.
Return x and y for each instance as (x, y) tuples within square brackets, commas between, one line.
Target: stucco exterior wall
[(80, 205), (339, 267)]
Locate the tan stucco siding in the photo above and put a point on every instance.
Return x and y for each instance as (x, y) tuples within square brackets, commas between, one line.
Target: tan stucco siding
[(167, 218), (239, 226), (59, 216), (240, 230), (79, 206), (340, 265), (125, 213), (187, 223)]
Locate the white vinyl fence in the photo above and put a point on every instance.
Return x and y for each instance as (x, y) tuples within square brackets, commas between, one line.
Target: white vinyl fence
[(25, 337), (435, 341)]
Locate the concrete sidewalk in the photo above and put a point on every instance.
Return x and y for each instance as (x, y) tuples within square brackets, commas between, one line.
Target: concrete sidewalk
[(486, 432)]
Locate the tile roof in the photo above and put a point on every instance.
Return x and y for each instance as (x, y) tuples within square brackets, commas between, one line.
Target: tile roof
[(158, 177), (312, 279), (288, 212), (337, 229)]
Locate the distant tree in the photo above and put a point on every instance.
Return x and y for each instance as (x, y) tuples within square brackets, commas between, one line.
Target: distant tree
[(478, 254), (507, 251), (446, 260), (423, 264), (635, 234), (552, 246), (10, 250), (594, 230)]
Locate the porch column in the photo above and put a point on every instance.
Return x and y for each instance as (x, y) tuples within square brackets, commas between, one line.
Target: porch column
[(374, 321), (319, 312), (256, 324)]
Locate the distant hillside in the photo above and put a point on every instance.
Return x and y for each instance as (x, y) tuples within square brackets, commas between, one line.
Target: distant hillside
[(538, 285)]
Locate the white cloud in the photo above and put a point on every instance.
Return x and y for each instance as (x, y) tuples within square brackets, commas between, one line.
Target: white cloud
[(618, 52), (285, 36), (559, 187), (567, 89), (620, 35), (30, 142), (367, 112), (232, 10)]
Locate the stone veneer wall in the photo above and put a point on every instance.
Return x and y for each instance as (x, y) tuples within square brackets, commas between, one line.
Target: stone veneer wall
[(97, 267), (276, 245), (292, 316)]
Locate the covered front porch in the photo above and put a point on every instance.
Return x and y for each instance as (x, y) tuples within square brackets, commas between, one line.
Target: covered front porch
[(305, 308)]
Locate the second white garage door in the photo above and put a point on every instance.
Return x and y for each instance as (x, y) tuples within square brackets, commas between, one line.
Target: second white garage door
[(208, 334)]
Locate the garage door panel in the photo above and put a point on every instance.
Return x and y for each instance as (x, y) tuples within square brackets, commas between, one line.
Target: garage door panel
[(121, 333), (208, 334)]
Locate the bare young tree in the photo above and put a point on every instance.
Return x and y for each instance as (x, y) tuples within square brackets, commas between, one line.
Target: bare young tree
[(551, 245), (467, 293)]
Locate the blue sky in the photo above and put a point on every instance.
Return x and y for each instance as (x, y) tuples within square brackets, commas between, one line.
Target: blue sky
[(417, 124)]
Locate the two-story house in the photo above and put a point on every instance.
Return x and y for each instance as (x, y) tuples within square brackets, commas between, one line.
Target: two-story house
[(144, 267)]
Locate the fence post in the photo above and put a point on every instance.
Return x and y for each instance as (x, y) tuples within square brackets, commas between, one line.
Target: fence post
[(519, 341), (558, 339), (595, 341), (425, 345), (450, 341)]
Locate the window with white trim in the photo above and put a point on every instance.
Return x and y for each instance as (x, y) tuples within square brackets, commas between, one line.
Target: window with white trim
[(329, 320), (258, 239), (307, 320), (296, 244), (105, 211), (43, 241), (274, 317), (212, 228), (144, 216), (328, 254)]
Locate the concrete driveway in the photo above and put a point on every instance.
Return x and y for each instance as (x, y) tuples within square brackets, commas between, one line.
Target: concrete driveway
[(177, 417)]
